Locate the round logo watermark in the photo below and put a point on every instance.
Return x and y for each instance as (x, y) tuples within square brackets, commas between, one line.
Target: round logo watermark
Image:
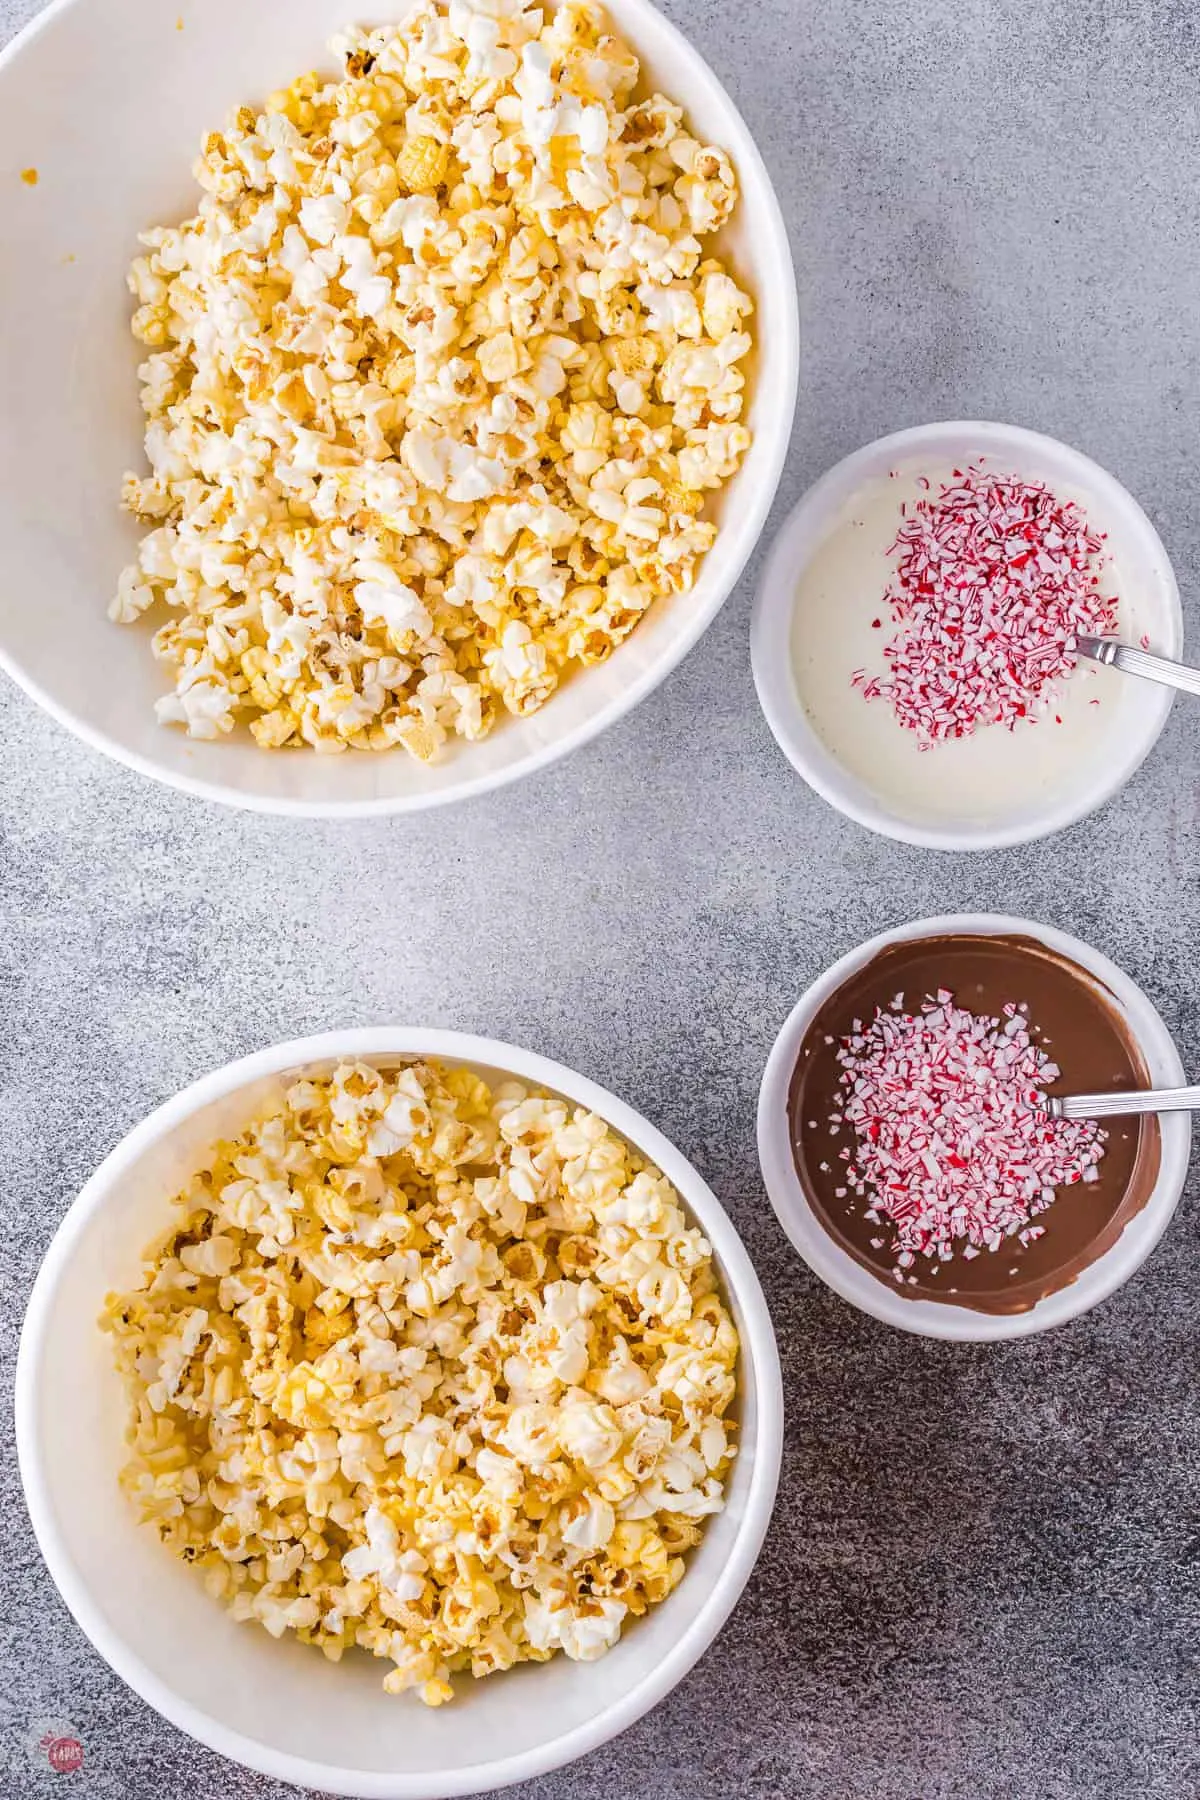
[(55, 1744)]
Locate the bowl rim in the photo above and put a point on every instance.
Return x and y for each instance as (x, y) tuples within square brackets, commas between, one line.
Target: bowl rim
[(758, 1346), (770, 651), (743, 531), (937, 1319)]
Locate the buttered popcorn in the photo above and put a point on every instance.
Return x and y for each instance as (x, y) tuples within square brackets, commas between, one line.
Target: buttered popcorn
[(431, 1369), (439, 378)]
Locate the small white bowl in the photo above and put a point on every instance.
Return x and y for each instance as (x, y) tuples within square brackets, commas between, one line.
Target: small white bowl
[(108, 101), (933, 1318), (1136, 710), (279, 1707)]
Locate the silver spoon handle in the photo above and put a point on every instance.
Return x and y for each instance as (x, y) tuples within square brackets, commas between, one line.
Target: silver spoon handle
[(1140, 662), (1108, 1106)]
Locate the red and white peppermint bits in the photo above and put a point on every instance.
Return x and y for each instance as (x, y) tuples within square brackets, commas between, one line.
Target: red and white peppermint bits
[(996, 580), (950, 1147)]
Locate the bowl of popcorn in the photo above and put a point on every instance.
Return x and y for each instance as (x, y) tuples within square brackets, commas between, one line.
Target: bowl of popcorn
[(399, 1413), (461, 374)]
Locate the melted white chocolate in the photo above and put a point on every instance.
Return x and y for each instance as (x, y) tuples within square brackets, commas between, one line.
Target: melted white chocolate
[(976, 779)]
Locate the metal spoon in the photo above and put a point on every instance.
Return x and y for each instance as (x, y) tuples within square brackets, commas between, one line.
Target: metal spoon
[(1107, 1106), (1140, 662)]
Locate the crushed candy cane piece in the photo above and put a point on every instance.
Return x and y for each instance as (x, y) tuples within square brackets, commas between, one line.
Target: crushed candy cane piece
[(996, 579), (951, 1149)]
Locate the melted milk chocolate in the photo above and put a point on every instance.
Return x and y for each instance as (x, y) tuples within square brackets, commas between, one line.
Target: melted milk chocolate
[(1075, 1019)]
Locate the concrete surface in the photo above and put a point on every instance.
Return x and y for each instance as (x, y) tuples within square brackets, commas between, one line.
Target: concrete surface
[(982, 1580)]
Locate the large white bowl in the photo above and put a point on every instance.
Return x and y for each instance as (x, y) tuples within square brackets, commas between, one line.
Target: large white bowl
[(108, 101), (279, 1707), (936, 1318)]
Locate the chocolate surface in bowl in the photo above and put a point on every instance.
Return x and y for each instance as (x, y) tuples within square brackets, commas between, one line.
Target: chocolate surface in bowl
[(1075, 1019)]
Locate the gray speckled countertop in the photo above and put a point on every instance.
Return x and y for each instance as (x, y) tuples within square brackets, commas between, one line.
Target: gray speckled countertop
[(982, 1578)]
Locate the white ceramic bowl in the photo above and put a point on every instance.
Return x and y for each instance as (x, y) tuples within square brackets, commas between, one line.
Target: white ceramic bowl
[(279, 1707), (932, 1318), (1135, 710), (108, 101)]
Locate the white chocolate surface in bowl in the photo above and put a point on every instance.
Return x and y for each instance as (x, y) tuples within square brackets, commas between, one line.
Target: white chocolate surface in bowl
[(839, 596), (824, 587)]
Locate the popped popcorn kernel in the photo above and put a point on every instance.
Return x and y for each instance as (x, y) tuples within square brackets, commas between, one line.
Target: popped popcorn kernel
[(431, 1369), (422, 164), (433, 361)]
